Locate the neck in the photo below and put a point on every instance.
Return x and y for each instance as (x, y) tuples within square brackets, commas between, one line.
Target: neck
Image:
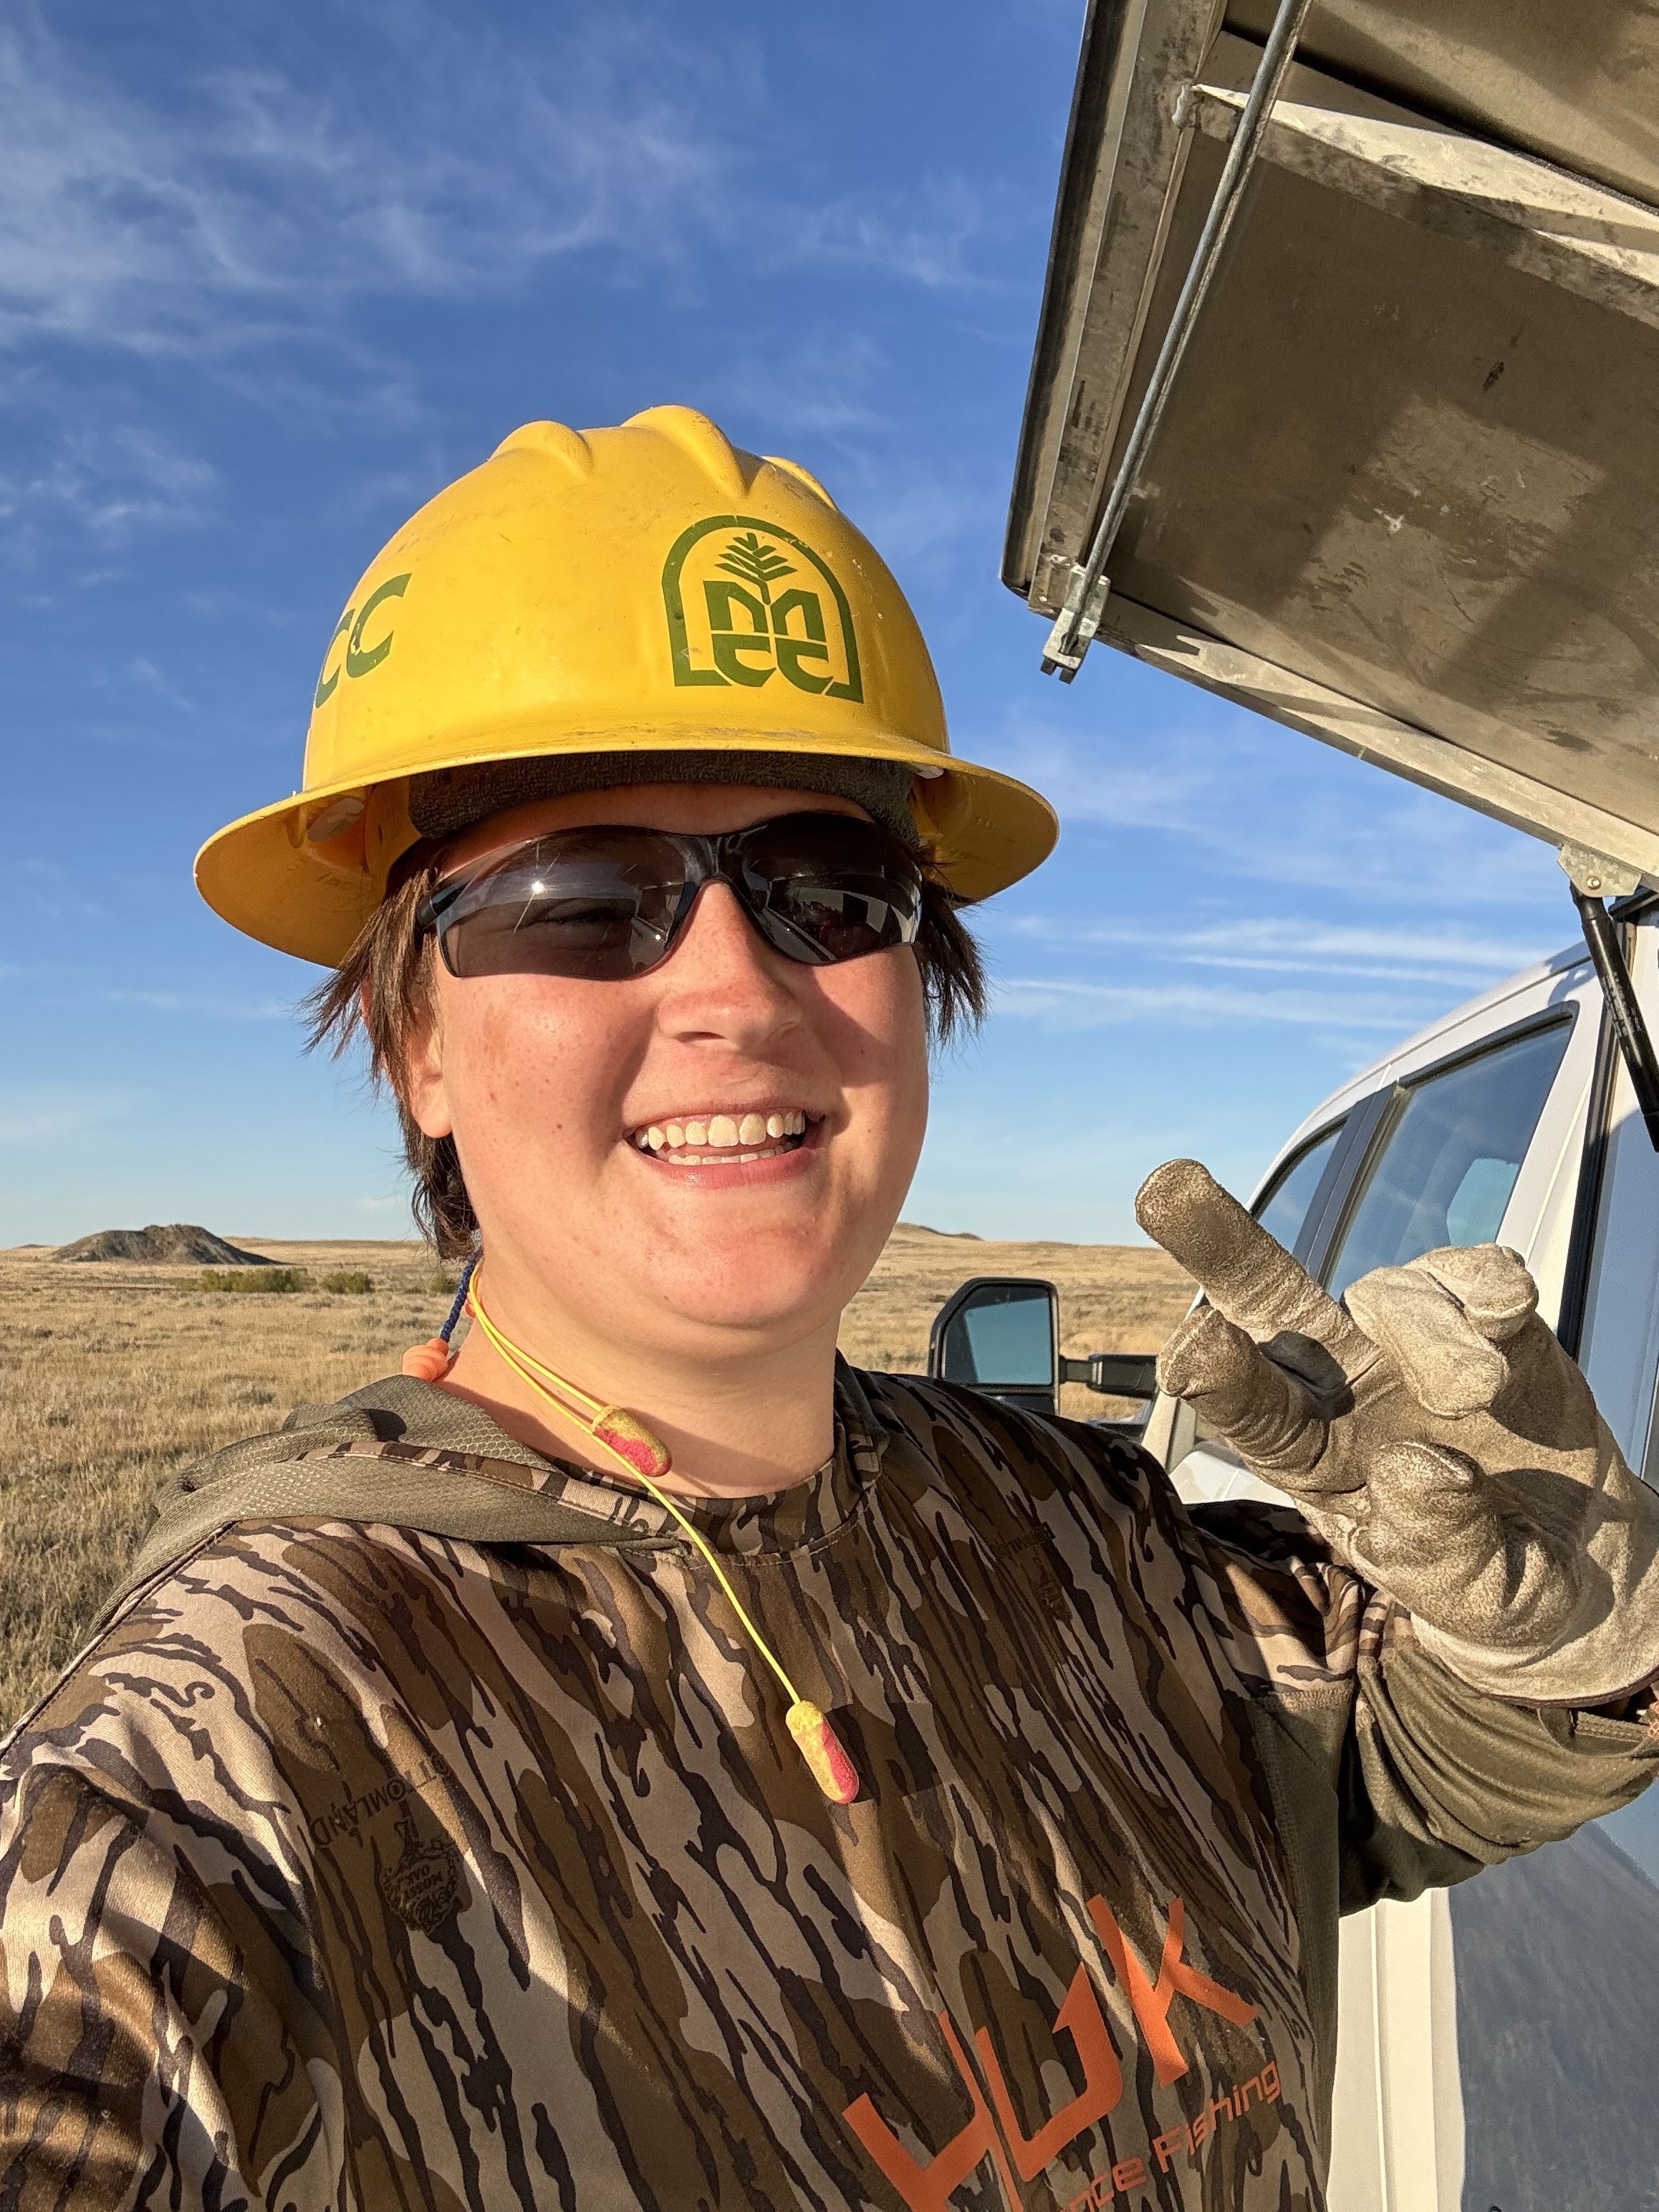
[(736, 1426)]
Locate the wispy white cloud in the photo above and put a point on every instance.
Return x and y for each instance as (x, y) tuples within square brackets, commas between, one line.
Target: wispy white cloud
[(917, 517), (837, 389), (255, 202), (823, 388), (261, 198), (1372, 837), (114, 483), (47, 1112), (240, 217), (1288, 945), (1065, 1003), (1153, 782), (202, 1005), (938, 240)]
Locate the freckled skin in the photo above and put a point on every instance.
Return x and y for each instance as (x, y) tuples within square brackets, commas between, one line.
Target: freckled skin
[(709, 1309)]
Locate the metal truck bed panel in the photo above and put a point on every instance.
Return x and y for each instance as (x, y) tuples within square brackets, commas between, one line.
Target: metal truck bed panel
[(1402, 495)]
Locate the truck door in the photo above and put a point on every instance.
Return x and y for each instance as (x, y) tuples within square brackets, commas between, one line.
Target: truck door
[(1493, 2038), (1555, 1956)]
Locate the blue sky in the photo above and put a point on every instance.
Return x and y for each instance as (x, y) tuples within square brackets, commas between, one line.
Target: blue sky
[(270, 276)]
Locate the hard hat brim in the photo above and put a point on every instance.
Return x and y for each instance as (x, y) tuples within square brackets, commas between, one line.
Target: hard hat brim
[(984, 830)]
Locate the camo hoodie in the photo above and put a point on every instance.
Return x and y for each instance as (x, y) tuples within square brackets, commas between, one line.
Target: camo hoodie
[(357, 1864)]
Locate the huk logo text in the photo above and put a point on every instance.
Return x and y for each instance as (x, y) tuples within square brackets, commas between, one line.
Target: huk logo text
[(994, 2129)]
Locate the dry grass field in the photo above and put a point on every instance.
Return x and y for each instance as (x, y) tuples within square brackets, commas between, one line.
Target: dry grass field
[(118, 1374)]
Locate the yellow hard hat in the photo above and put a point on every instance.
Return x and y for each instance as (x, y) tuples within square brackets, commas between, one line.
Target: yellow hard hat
[(642, 589)]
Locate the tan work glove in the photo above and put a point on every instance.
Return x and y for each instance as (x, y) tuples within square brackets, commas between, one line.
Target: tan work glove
[(1436, 1435)]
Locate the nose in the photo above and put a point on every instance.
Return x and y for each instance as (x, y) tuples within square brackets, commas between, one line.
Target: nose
[(722, 981)]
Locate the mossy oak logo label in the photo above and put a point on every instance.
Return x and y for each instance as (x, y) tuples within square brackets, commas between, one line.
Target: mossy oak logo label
[(747, 601), (424, 1887)]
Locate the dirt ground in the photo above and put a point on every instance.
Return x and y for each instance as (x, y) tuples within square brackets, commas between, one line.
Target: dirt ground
[(118, 1374)]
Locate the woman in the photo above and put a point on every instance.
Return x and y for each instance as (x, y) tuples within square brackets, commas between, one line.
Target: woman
[(635, 1761)]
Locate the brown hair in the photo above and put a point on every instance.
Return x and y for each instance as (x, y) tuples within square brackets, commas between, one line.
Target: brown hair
[(383, 988)]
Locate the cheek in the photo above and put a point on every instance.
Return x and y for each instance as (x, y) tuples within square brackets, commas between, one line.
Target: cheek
[(521, 1056), (876, 1022)]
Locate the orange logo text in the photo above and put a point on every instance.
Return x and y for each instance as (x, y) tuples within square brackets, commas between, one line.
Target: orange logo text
[(994, 2127)]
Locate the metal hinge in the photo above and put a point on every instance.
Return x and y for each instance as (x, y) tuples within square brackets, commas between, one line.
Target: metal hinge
[(1076, 624), (1593, 875)]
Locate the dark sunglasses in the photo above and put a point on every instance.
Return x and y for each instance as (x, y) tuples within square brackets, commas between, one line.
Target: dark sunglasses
[(605, 903)]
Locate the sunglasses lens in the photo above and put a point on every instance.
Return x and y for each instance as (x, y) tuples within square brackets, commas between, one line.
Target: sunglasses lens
[(828, 887), (597, 905), (601, 905)]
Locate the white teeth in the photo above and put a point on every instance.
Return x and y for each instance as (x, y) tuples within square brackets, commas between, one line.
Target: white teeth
[(721, 1133)]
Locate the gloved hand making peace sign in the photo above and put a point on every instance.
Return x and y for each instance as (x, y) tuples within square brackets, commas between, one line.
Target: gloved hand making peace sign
[(1434, 1433)]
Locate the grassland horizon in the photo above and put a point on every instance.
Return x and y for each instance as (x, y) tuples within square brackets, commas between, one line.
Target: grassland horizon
[(123, 1372)]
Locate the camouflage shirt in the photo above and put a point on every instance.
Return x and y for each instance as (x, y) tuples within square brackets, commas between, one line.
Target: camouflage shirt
[(356, 1866)]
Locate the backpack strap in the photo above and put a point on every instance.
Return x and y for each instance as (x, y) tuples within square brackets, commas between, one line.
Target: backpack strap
[(472, 1499)]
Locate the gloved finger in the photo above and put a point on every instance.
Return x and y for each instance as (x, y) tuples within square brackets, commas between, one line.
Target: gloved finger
[(1490, 1282), (1547, 1402), (1436, 1535), (1267, 1416), (1443, 1357), (1246, 1274)]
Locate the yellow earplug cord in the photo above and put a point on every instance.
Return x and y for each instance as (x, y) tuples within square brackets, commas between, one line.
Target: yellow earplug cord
[(808, 1723)]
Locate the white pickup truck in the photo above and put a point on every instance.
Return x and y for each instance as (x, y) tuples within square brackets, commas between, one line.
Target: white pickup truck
[(1496, 2041), (1344, 405)]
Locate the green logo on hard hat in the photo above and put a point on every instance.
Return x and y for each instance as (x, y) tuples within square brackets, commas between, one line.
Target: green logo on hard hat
[(360, 657), (747, 601)]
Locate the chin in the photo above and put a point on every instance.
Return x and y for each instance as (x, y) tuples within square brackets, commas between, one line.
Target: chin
[(755, 1292), (751, 1308)]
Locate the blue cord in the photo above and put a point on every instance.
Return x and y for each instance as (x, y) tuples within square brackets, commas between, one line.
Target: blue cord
[(459, 1306)]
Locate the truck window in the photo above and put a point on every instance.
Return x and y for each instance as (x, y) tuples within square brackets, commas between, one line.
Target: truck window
[(1284, 1210), (1449, 1159)]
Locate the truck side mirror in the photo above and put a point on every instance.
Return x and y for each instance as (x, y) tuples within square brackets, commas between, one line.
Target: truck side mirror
[(1000, 1334), (1114, 1374)]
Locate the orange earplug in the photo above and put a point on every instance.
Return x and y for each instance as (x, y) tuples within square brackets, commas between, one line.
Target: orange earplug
[(429, 1362)]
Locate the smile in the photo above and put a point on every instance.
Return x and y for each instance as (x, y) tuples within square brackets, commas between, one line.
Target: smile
[(723, 1140)]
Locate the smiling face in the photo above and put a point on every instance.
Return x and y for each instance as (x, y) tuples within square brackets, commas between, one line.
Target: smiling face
[(703, 1160)]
